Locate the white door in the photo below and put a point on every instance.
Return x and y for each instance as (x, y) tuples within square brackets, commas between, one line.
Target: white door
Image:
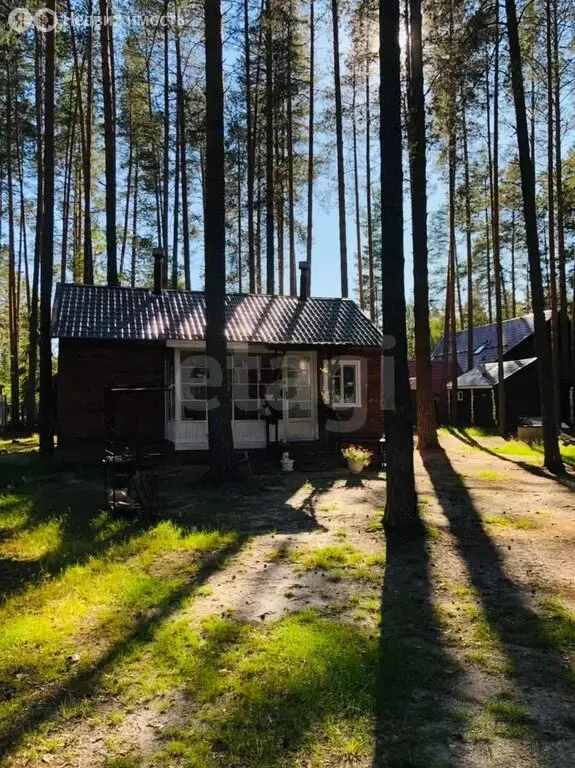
[(299, 390)]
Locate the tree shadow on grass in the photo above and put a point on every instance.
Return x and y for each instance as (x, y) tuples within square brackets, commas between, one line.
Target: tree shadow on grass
[(565, 479), (39, 704), (83, 683), (534, 645), (302, 683), (416, 726), (64, 521)]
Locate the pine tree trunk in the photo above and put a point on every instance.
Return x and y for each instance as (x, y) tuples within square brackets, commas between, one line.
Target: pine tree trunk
[(134, 228), (106, 43), (489, 220), (401, 514), (310, 160), (340, 157), (239, 205), (533, 104), (290, 153), (497, 273), (128, 194), (279, 192), (370, 249), (452, 268), (249, 152), (47, 258), (87, 159), (68, 155), (23, 225), (561, 256), (468, 229), (356, 191), (488, 255), (219, 417), (85, 138), (256, 149), (459, 297), (157, 164), (555, 353), (270, 194), (513, 268), (183, 146), (33, 323), (426, 420), (13, 320), (258, 234), (553, 460), (176, 224), (166, 148)]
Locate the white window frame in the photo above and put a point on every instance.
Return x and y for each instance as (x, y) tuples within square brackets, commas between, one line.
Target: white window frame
[(340, 363)]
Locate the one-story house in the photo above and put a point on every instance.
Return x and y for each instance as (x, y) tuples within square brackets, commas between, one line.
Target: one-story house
[(477, 392), (299, 367)]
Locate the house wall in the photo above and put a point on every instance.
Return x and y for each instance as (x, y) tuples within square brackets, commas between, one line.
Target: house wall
[(365, 422), (86, 368), (522, 395)]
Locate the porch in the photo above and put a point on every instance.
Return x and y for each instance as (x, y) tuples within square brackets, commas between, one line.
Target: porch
[(277, 396)]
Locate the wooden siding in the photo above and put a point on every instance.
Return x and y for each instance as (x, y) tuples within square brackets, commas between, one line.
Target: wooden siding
[(86, 368), (365, 422)]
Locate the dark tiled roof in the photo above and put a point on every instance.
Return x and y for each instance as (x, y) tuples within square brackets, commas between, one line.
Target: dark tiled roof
[(102, 312), (438, 378), (485, 339), (486, 376)]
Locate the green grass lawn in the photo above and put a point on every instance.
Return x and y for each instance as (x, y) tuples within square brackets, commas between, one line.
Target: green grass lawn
[(98, 624), (534, 451), (489, 440), (19, 444)]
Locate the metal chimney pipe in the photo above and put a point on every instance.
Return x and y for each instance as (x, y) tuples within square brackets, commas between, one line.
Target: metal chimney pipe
[(304, 280), (158, 255)]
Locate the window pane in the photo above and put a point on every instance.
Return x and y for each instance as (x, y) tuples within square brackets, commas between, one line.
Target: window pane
[(299, 411), (349, 383), (195, 373), (246, 410), (336, 385), (194, 392), (298, 394), (194, 410), (298, 370)]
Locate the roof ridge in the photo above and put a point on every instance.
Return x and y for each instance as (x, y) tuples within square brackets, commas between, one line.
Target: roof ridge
[(199, 292)]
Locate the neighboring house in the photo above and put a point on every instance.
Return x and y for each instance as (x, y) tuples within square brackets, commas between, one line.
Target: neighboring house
[(144, 350), (477, 392), (518, 342), (522, 389)]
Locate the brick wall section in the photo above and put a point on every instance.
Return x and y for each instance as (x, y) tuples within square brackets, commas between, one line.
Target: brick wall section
[(365, 422), (86, 368)]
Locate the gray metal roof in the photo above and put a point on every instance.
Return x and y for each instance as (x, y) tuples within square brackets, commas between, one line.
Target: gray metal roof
[(486, 376), (103, 312), (485, 340)]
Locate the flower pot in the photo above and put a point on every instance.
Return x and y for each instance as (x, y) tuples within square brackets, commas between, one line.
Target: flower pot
[(355, 467)]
